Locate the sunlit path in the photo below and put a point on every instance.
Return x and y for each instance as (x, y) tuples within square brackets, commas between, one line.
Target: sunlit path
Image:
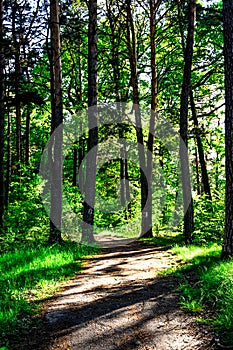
[(119, 302)]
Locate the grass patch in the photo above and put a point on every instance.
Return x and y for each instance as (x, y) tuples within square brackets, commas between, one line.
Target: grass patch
[(213, 288), (165, 239), (30, 273)]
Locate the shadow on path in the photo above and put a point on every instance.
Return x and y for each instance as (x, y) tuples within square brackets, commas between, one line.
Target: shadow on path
[(118, 302)]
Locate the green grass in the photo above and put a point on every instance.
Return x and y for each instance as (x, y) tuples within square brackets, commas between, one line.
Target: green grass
[(31, 273), (213, 289), (165, 239)]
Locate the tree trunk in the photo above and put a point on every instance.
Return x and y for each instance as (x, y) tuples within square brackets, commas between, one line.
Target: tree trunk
[(114, 61), (27, 135), (197, 173), (75, 164), (16, 43), (90, 184), (18, 110), (124, 189), (55, 156), (204, 173), (9, 165), (28, 116), (227, 250), (184, 159), (154, 89), (1, 119), (81, 154), (131, 43)]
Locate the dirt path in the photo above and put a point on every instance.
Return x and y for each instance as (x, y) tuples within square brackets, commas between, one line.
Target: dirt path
[(118, 303)]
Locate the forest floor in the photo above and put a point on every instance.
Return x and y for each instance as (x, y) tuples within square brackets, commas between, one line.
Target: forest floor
[(120, 301)]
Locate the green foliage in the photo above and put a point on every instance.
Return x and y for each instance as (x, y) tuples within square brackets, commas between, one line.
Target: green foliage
[(30, 272), (109, 210), (26, 268), (209, 219), (191, 299), (212, 289), (166, 238), (25, 219)]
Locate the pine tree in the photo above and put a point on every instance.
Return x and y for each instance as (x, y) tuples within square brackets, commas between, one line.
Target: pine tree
[(184, 159), (90, 184), (55, 156), (1, 117), (227, 250)]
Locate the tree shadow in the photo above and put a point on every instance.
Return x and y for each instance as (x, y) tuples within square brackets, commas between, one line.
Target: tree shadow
[(159, 291), (158, 295)]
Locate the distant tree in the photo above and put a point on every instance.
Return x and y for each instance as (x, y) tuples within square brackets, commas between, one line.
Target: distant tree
[(90, 183), (55, 151), (227, 250), (184, 158), (204, 173), (132, 52), (17, 30), (9, 158), (147, 219), (23, 29), (117, 76)]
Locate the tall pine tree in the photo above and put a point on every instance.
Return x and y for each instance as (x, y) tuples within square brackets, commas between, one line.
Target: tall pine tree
[(90, 184), (227, 250), (184, 159), (55, 151), (1, 117)]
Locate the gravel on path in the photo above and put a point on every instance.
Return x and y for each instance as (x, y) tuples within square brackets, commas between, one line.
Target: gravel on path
[(120, 302)]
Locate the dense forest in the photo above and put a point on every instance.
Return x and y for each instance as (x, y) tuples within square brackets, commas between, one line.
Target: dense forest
[(158, 71), (116, 119)]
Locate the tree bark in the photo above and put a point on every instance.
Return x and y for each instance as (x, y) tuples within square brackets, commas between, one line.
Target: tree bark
[(16, 43), (55, 156), (150, 144), (197, 173), (131, 43), (9, 158), (75, 164), (2, 110), (184, 158), (27, 135), (90, 184), (227, 249), (124, 189), (204, 173)]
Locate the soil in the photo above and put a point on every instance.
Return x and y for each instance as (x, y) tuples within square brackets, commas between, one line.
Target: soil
[(120, 302)]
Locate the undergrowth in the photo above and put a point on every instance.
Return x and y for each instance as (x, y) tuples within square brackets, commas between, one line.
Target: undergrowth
[(213, 289), (28, 274)]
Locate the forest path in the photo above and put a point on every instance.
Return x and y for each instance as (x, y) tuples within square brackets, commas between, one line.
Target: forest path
[(119, 302)]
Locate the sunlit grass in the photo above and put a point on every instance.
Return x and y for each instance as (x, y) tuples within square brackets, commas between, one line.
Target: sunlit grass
[(194, 254), (30, 273), (214, 289)]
